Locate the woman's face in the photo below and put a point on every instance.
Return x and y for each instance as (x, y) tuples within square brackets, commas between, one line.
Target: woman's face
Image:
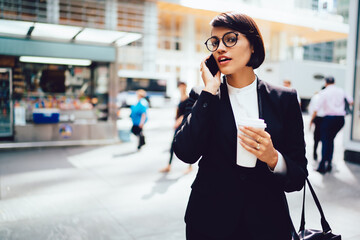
[(231, 59)]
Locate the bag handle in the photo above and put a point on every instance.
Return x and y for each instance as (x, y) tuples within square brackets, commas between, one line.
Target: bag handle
[(325, 225)]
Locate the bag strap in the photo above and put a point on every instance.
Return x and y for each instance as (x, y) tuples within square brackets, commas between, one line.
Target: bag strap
[(325, 225), (302, 222)]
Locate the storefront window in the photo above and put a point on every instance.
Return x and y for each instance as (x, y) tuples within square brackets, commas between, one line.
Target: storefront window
[(356, 115), (78, 94)]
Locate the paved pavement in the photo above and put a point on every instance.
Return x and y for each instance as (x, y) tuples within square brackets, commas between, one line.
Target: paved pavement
[(115, 192)]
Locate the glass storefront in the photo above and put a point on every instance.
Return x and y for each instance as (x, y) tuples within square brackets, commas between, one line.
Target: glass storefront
[(77, 93), (356, 115), (6, 109), (48, 102), (352, 128)]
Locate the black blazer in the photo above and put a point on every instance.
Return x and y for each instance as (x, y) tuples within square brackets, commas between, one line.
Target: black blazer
[(225, 195)]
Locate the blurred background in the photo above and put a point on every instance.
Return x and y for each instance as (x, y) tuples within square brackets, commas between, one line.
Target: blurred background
[(68, 75), (81, 61)]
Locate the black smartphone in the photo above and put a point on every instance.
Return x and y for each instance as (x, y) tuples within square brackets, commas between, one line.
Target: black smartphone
[(212, 65)]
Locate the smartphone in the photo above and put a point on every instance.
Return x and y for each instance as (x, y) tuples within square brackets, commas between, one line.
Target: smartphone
[(212, 65)]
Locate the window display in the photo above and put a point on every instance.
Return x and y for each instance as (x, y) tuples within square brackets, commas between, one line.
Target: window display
[(6, 125), (68, 93)]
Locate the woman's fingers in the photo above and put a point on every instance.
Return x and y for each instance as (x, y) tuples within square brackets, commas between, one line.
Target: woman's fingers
[(254, 132), (250, 149), (258, 142), (203, 64), (248, 141), (212, 83)]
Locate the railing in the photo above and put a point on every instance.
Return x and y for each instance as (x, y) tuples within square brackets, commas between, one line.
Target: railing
[(128, 15), (25, 10)]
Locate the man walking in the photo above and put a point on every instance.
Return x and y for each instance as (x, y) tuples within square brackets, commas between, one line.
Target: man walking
[(332, 103), (316, 121), (139, 116)]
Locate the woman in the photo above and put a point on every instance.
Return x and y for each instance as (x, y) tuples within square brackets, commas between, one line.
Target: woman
[(139, 116), (227, 201)]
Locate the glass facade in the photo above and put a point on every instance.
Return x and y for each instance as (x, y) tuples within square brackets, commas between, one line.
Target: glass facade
[(6, 109), (79, 93), (356, 115)]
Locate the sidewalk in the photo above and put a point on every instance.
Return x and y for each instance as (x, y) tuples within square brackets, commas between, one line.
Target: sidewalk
[(115, 192)]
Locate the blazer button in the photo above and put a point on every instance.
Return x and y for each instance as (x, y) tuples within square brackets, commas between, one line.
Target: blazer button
[(205, 105)]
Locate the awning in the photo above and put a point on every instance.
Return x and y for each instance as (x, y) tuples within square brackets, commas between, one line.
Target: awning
[(19, 38)]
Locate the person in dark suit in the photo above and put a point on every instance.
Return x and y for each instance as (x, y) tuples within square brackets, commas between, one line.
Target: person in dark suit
[(228, 201), (180, 111)]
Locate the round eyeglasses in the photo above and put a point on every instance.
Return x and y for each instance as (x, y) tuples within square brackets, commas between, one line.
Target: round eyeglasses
[(229, 39)]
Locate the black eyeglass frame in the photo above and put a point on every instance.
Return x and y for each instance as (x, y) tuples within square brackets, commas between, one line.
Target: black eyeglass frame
[(222, 39)]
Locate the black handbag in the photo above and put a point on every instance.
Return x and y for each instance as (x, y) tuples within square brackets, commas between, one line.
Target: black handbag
[(312, 234)]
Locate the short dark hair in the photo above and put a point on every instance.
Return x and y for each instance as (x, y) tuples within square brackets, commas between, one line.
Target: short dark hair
[(330, 80), (247, 26)]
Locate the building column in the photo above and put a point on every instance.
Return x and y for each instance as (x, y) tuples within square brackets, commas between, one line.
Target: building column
[(113, 90), (113, 84), (278, 46), (188, 69), (150, 36), (297, 49), (282, 46), (111, 14), (53, 9)]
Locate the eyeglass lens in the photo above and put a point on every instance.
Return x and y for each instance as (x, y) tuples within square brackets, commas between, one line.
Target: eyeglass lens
[(229, 39)]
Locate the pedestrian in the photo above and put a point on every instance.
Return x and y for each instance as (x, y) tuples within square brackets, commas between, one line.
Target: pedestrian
[(139, 116), (229, 201), (316, 122), (332, 103), (180, 111), (287, 83)]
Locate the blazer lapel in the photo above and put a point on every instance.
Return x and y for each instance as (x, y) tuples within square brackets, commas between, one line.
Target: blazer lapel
[(260, 97), (227, 127), (269, 112)]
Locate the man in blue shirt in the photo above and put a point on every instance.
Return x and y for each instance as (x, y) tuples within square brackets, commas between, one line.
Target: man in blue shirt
[(139, 116)]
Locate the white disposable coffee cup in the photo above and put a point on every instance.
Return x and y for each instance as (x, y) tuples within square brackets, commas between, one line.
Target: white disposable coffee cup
[(243, 157)]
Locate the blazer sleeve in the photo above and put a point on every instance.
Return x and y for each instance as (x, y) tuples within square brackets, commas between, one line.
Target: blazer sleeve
[(191, 137), (293, 149)]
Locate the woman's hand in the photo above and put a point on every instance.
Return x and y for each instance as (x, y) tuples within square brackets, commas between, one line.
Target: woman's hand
[(258, 142), (212, 83), (178, 122)]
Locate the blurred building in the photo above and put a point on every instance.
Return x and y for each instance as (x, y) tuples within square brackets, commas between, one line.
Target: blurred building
[(135, 44), (323, 52), (58, 69), (286, 27), (334, 51)]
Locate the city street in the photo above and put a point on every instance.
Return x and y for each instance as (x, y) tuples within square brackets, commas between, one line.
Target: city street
[(114, 192)]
